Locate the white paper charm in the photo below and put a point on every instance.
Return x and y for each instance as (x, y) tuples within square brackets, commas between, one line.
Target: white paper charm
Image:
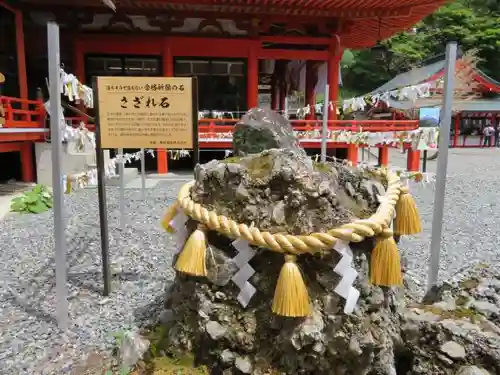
[(240, 278), (344, 268), (181, 233)]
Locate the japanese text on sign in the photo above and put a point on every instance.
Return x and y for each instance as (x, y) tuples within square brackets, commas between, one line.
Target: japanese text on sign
[(143, 112)]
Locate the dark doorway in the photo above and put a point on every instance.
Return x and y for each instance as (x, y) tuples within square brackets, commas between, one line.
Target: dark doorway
[(125, 65), (11, 166), (222, 88), (222, 83)]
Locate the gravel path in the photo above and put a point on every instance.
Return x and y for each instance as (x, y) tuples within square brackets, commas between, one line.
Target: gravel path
[(141, 257), (30, 342), (471, 217)]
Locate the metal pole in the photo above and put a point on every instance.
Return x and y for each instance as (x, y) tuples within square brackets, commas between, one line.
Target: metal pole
[(442, 164), (101, 191), (143, 174), (424, 162), (58, 193), (121, 171), (324, 129)]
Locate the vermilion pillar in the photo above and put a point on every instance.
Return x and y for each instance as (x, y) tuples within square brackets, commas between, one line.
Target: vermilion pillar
[(78, 62), (457, 129), (21, 56), (253, 76), (413, 161), (274, 94), (282, 89), (334, 55), (168, 71), (383, 156), (28, 170), (311, 80)]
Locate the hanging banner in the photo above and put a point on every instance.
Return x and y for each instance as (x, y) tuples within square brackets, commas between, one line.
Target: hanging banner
[(147, 112)]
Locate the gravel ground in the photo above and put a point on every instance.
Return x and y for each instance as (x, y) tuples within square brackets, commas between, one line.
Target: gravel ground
[(471, 216), (141, 257)]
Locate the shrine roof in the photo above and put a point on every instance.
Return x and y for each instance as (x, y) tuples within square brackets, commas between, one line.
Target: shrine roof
[(472, 105), (360, 23), (433, 72)]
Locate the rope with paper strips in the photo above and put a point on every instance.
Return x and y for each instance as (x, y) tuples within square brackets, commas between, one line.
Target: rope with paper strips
[(291, 297)]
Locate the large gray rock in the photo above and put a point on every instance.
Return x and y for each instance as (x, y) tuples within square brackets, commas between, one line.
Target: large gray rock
[(281, 190), (262, 129)]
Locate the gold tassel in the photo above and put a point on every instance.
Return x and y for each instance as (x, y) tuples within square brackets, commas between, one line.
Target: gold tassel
[(385, 265), (290, 296), (168, 217), (192, 258), (407, 220)]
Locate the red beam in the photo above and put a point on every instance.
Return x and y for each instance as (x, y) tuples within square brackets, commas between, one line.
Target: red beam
[(10, 146), (278, 54), (295, 40), (17, 137)]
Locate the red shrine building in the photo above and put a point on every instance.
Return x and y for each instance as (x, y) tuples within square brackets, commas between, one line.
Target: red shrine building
[(240, 51)]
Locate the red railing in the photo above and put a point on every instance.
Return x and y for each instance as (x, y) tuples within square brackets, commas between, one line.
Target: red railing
[(224, 125), (22, 113), (23, 116)]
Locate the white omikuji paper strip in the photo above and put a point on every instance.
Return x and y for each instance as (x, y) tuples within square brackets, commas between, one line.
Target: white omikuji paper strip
[(245, 253), (344, 268), (181, 233)]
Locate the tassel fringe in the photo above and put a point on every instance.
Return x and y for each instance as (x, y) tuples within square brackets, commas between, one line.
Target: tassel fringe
[(168, 217), (407, 220), (385, 267), (192, 259), (291, 297)]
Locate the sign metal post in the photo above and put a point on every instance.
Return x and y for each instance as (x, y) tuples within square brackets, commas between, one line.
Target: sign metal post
[(143, 174), (324, 129), (58, 193), (121, 171), (442, 164), (101, 191)]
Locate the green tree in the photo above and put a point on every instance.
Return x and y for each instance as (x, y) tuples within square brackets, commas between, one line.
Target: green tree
[(474, 24)]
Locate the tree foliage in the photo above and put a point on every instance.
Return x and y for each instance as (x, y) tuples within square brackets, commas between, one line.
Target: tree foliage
[(474, 24)]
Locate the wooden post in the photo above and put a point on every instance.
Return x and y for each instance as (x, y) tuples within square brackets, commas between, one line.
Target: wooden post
[(274, 92), (311, 80), (413, 161), (457, 129), (383, 156), (21, 56), (282, 88), (334, 55), (352, 153), (27, 168), (253, 76), (168, 71)]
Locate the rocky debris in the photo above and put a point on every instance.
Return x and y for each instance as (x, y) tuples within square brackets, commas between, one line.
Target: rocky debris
[(263, 129), (453, 350), (472, 370), (215, 330), (456, 328)]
